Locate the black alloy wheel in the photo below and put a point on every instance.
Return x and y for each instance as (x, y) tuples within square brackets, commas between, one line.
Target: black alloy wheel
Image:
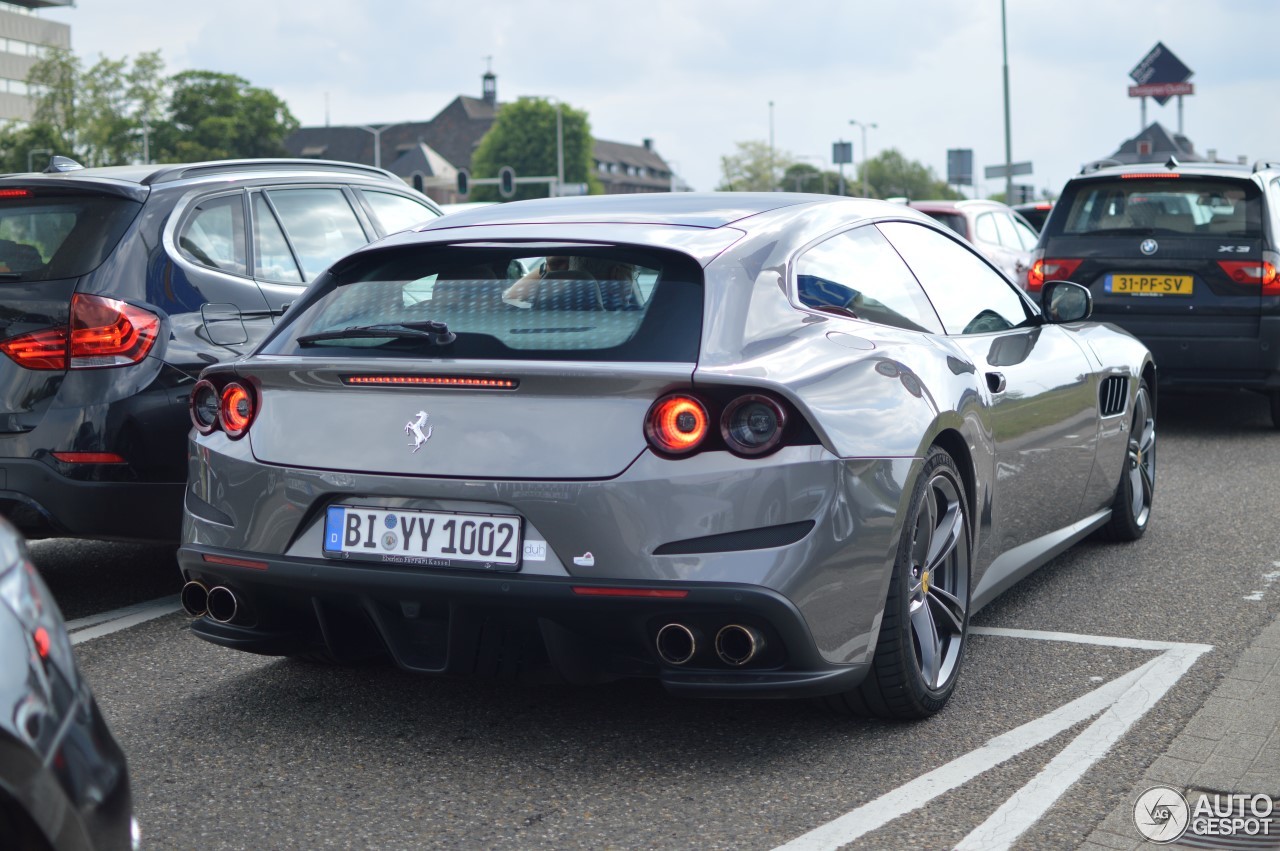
[(1136, 490), (926, 615)]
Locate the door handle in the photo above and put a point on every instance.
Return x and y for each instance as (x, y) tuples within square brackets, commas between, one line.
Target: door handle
[(995, 381)]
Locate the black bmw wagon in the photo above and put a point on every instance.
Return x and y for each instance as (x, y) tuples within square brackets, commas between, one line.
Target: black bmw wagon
[(118, 285)]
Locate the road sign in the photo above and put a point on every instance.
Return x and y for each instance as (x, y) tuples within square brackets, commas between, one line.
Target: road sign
[(573, 189), (1012, 170), (1160, 66), (1161, 90), (960, 166), (841, 152)]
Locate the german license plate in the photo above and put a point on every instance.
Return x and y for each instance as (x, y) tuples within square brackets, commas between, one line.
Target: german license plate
[(1149, 284), (427, 538)]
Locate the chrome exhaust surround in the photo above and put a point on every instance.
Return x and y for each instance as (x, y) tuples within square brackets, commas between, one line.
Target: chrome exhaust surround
[(737, 645), (676, 644), (194, 598), (223, 604)]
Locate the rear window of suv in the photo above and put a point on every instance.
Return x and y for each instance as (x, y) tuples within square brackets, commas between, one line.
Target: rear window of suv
[(516, 302), (1177, 205), (50, 235)]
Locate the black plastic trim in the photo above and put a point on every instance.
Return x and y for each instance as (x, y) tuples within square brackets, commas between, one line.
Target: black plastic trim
[(763, 538)]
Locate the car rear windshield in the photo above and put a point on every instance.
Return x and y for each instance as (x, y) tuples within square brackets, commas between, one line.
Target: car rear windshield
[(1178, 205), (569, 302), (47, 235), (955, 221)]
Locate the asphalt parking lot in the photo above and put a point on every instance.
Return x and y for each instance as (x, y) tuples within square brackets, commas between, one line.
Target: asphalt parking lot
[(229, 750)]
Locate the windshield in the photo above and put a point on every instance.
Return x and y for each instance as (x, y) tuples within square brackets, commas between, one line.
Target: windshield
[(1167, 205), (48, 235), (580, 303)]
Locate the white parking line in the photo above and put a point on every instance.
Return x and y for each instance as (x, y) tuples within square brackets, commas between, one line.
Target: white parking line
[(1121, 703), (95, 626)]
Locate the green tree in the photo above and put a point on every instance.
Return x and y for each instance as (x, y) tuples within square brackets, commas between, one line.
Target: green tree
[(755, 167), (218, 116), (891, 175), (524, 137)]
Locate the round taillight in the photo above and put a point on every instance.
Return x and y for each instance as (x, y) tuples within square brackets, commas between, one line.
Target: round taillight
[(676, 424), (752, 424), (203, 406), (236, 410)]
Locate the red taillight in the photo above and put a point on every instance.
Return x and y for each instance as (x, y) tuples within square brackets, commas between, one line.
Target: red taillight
[(1049, 270), (15, 193), (663, 593), (1151, 175), (109, 332), (236, 409), (203, 406), (1261, 272), (42, 641), (676, 424), (89, 457), (38, 350), (753, 424), (104, 332), (235, 562)]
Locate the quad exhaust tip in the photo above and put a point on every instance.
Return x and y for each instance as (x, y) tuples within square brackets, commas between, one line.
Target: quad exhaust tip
[(194, 598), (737, 645), (676, 644), (223, 604)]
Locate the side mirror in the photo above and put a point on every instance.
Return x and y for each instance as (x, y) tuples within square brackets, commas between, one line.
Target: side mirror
[(1065, 301)]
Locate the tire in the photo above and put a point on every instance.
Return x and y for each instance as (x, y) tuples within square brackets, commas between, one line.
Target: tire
[(1131, 509), (926, 612)]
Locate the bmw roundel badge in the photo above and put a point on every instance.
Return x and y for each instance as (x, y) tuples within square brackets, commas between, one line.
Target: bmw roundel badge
[(1149, 246)]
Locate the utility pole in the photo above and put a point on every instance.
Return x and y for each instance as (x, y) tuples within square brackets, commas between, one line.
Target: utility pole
[(1008, 133)]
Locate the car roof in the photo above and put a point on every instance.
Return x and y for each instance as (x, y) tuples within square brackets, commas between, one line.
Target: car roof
[(687, 209), (153, 174), (1108, 168), (959, 205)]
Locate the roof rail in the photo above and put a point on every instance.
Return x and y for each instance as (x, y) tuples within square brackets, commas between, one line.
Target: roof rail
[(1265, 164), (1098, 164), (179, 172)]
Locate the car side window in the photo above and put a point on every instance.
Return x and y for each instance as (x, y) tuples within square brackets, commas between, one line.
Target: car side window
[(320, 225), (858, 274), (396, 212), (984, 229), (273, 261), (1026, 234), (970, 296), (214, 234), (1008, 236)]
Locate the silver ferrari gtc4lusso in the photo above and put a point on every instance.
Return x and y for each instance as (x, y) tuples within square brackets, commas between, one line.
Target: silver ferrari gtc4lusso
[(753, 445)]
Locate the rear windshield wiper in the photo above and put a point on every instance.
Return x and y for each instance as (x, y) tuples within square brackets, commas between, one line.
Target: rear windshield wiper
[(435, 333)]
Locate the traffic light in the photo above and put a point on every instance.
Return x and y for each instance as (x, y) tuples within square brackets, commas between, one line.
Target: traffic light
[(464, 183), (506, 181)]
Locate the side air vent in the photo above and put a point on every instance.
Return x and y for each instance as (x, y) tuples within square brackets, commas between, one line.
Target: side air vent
[(1113, 395)]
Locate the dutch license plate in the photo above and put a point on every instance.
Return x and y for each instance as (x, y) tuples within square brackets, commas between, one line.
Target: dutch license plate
[(429, 538), (1149, 284)]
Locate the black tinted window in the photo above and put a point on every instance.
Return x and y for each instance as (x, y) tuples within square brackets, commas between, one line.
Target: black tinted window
[(970, 296), (572, 304), (46, 235), (1179, 205), (858, 274)]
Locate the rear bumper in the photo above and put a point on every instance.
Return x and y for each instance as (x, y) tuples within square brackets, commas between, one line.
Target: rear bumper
[(44, 504), (464, 623)]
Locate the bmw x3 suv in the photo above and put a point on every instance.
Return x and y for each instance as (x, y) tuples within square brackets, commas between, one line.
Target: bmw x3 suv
[(119, 285), (1184, 257)]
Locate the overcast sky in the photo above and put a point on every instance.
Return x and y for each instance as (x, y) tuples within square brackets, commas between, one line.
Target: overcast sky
[(697, 76)]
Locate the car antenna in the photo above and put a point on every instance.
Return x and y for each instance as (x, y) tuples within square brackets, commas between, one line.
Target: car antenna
[(58, 165)]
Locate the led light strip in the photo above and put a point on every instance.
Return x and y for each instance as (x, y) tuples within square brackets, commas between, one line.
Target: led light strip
[(432, 381)]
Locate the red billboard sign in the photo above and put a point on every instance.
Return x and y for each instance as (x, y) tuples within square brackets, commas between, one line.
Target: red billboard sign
[(1162, 90)]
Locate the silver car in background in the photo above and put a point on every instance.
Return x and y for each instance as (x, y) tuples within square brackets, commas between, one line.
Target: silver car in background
[(748, 444)]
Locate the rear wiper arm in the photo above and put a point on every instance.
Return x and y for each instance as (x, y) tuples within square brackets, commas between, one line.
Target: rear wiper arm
[(436, 333)]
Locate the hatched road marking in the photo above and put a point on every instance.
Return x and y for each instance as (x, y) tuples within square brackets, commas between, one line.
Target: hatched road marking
[(1119, 704)]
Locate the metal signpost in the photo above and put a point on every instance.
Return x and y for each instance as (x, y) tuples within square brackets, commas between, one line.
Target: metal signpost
[(1161, 75), (841, 153)]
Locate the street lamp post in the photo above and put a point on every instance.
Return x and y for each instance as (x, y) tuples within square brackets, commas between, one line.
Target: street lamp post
[(866, 155)]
